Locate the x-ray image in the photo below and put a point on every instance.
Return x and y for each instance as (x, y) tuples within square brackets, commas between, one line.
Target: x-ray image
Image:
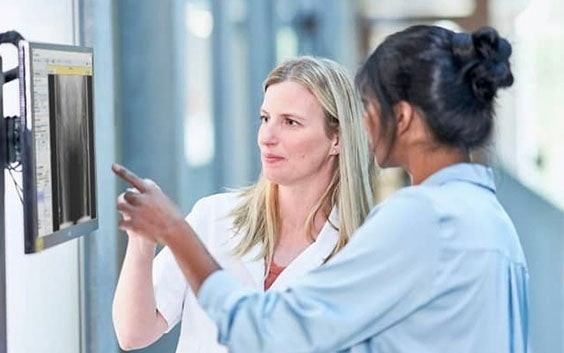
[(74, 199)]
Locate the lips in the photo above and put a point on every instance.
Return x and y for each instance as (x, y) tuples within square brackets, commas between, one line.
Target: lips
[(271, 158)]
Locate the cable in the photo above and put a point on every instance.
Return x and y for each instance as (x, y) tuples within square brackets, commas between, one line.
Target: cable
[(19, 189), (12, 37)]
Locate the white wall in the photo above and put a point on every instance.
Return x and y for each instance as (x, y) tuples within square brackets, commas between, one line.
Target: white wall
[(43, 309)]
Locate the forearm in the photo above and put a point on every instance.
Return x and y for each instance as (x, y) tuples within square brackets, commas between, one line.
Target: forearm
[(150, 214), (191, 255), (136, 320), (384, 274)]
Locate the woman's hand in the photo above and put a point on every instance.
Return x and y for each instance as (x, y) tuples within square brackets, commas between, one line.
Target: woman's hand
[(147, 211)]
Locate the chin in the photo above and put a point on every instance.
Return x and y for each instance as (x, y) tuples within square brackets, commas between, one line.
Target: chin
[(380, 165), (380, 161), (384, 163), (385, 159), (273, 177)]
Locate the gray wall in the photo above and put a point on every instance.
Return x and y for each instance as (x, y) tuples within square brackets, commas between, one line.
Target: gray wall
[(99, 263), (541, 229)]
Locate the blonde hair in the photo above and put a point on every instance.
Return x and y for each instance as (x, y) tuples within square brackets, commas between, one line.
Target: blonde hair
[(352, 185)]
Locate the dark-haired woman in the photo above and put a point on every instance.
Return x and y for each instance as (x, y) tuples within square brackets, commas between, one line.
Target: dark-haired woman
[(436, 268)]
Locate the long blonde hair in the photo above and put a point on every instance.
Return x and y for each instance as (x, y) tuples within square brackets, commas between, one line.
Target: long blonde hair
[(353, 180)]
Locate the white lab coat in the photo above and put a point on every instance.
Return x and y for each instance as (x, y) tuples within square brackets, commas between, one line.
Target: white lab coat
[(210, 219)]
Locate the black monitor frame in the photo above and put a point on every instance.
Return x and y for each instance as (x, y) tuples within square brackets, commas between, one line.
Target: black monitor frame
[(35, 242)]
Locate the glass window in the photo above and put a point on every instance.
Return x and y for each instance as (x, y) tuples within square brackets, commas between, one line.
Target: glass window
[(196, 26), (198, 120), (530, 137), (243, 122)]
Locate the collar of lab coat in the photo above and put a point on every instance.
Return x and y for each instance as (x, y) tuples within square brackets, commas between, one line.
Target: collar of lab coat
[(312, 257)]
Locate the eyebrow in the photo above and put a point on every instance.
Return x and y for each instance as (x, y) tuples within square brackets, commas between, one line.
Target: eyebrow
[(285, 115)]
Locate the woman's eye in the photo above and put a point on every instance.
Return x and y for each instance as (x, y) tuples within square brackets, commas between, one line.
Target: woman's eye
[(292, 122), (263, 119)]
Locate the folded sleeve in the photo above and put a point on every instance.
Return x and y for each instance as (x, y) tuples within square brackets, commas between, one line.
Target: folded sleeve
[(169, 286), (383, 275), (169, 283)]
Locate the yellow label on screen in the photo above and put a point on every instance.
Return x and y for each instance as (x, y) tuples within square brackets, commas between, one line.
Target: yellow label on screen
[(69, 70), (39, 244)]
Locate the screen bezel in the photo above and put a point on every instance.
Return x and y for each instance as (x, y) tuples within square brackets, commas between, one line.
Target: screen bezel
[(32, 241)]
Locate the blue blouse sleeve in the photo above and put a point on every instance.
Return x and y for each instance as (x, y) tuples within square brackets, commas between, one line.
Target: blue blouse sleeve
[(383, 275)]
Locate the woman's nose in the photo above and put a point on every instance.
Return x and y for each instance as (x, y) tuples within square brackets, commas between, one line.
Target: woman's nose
[(268, 134)]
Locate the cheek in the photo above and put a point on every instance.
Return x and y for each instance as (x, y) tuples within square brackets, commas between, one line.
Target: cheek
[(371, 132), (304, 149), (367, 130), (307, 148)]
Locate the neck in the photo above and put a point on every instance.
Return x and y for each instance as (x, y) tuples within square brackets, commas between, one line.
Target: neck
[(297, 201), (422, 163), (295, 205)]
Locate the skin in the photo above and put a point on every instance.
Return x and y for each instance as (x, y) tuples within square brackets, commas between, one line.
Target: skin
[(299, 157), (150, 211), (297, 154), (152, 215), (295, 150), (413, 147)]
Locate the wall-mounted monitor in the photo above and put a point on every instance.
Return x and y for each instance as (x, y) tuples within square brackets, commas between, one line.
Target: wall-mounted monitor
[(59, 173)]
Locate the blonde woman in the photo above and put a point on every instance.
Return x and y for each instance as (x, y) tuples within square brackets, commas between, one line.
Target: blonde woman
[(314, 192)]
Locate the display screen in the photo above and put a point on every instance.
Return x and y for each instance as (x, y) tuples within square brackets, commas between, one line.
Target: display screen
[(60, 183)]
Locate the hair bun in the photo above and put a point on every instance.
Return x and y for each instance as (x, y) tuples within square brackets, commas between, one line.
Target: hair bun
[(463, 47), (490, 46), (484, 58)]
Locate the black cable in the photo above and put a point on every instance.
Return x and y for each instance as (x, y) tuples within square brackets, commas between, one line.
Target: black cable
[(11, 75), (19, 189), (12, 37)]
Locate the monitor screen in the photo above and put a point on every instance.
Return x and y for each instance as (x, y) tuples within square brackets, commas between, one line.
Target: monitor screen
[(58, 144)]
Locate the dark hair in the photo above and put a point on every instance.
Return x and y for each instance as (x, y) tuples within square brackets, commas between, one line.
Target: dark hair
[(452, 78)]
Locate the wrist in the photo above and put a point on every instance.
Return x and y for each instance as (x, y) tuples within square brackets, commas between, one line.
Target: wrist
[(176, 230), (142, 245)]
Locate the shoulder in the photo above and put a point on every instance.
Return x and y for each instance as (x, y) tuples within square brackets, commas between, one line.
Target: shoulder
[(407, 219), (216, 205), (400, 236), (211, 216), (438, 203), (224, 199), (407, 201)]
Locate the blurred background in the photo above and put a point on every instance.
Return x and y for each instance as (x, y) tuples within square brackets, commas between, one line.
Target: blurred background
[(178, 85)]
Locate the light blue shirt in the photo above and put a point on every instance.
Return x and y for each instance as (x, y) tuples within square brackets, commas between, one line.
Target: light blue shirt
[(436, 268)]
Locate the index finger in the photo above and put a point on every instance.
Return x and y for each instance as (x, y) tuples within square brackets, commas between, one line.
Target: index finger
[(129, 177)]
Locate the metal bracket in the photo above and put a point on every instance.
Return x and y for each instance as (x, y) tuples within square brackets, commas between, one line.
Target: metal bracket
[(12, 123), (13, 147)]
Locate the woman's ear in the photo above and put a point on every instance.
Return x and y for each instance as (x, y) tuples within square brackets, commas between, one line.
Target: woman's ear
[(336, 146), (404, 116)]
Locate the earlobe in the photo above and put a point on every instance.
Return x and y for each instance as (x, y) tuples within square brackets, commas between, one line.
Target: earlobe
[(336, 149)]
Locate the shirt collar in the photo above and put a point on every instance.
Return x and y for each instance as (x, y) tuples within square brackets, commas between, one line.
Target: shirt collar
[(313, 256), (468, 172)]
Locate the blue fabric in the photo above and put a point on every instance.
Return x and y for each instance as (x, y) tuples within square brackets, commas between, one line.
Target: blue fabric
[(438, 267)]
